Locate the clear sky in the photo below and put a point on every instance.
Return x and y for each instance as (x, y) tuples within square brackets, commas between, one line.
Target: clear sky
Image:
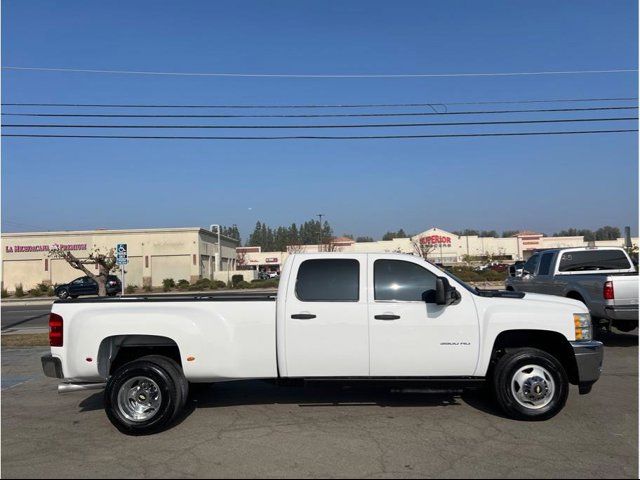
[(364, 187)]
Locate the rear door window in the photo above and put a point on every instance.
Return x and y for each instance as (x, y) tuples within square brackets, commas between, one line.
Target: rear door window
[(545, 264), (593, 260), (330, 280)]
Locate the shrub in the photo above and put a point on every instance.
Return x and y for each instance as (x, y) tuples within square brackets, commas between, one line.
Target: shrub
[(19, 291), (34, 292), (147, 288), (168, 284), (242, 284), (5, 294), (183, 284), (43, 288), (131, 289), (271, 283), (236, 279)]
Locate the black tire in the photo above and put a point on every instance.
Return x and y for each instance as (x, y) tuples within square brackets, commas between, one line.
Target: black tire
[(176, 373), (63, 293), (503, 375), (166, 375)]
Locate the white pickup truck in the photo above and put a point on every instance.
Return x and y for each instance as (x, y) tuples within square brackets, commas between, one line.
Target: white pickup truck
[(388, 318)]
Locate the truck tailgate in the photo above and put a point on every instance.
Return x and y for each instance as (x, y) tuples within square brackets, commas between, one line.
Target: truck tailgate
[(625, 289)]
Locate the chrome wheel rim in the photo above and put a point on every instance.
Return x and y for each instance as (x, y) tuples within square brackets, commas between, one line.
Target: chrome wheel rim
[(139, 399), (533, 387), (64, 294)]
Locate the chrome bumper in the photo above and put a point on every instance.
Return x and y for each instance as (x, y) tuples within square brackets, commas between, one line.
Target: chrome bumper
[(626, 312)]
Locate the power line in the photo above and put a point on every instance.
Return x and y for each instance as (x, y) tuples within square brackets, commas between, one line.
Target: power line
[(366, 125), (322, 115), (295, 75), (316, 137), (362, 105)]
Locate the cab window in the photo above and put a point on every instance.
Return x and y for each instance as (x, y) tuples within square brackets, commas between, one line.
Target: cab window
[(403, 281), (532, 264), (328, 280)]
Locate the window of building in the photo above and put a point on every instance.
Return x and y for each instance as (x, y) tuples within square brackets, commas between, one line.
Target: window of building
[(330, 280), (403, 281)]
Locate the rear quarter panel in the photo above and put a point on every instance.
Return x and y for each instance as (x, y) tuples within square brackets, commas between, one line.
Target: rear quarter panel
[(229, 340)]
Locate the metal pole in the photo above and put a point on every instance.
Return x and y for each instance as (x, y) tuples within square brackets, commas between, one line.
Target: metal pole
[(122, 286), (320, 215)]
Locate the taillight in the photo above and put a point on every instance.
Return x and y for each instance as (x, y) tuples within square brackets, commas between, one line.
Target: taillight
[(55, 330), (608, 291)]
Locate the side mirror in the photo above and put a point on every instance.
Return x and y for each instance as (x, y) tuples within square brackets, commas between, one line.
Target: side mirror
[(445, 293)]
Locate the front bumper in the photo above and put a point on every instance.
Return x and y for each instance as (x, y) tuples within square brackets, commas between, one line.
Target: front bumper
[(625, 312), (588, 357), (51, 366)]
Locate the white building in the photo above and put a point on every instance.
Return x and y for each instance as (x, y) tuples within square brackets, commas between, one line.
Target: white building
[(441, 247)]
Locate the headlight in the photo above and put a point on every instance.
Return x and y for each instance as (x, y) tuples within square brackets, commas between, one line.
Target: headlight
[(582, 323)]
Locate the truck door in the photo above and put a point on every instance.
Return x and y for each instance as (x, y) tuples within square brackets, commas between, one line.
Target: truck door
[(410, 335), (326, 329)]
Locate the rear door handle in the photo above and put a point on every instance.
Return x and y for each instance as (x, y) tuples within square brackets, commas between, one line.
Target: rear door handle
[(387, 317), (303, 316)]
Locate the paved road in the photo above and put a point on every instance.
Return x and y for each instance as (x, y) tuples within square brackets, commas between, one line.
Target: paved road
[(252, 429), (30, 316)]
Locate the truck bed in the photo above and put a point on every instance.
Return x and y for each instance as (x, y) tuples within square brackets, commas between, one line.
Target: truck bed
[(213, 297)]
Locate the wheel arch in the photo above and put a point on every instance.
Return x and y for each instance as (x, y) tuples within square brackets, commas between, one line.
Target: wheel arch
[(551, 342), (115, 351)]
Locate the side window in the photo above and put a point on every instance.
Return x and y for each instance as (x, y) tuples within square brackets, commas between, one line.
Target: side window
[(78, 281), (545, 264), (331, 280), (403, 281), (532, 264)]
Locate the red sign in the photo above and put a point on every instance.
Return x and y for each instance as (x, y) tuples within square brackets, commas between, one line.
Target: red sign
[(271, 260), (435, 240)]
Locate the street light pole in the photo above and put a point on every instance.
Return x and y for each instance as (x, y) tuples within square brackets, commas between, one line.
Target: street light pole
[(320, 215), (218, 259)]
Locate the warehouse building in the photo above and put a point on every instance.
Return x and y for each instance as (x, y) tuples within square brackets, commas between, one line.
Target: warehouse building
[(154, 254)]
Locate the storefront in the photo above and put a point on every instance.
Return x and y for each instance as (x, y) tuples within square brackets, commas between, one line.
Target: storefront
[(154, 254)]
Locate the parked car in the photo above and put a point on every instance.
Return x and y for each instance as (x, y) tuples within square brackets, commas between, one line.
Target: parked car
[(263, 276), (87, 286), (604, 279), (273, 274), (349, 318), (516, 269)]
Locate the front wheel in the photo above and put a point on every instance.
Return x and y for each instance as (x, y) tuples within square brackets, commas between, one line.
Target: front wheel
[(145, 396), (530, 384), (63, 293)]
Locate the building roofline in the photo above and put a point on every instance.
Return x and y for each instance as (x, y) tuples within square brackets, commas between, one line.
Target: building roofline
[(113, 232)]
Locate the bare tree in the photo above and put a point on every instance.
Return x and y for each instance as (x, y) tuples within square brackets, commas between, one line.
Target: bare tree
[(422, 249), (104, 262)]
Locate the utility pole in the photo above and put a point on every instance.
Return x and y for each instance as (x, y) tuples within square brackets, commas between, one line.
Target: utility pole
[(320, 215)]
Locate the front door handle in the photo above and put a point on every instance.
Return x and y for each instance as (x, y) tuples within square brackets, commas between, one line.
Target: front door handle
[(303, 316), (387, 317)]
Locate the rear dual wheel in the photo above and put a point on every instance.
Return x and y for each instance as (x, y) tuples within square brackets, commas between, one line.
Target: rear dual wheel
[(146, 395)]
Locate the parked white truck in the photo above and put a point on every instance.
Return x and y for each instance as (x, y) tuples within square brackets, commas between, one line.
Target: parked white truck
[(341, 317)]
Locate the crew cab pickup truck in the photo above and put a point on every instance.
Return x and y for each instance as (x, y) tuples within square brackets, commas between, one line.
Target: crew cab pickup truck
[(604, 279), (337, 317)]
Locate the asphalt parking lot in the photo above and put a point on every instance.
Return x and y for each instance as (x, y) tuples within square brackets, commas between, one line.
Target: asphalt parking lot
[(253, 429)]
